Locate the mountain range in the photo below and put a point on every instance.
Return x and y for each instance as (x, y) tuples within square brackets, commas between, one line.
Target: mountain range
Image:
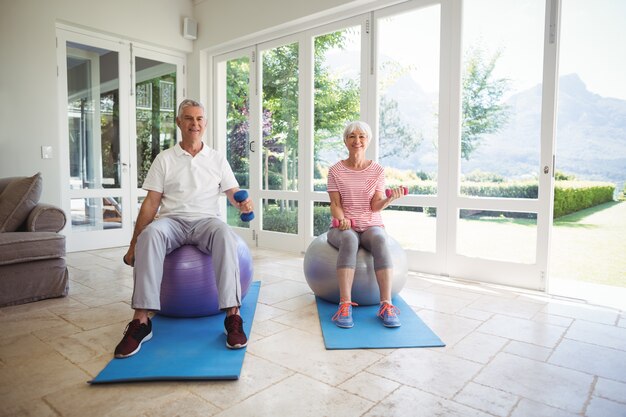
[(590, 138)]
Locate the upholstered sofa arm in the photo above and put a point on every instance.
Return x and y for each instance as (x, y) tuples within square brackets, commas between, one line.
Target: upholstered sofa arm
[(45, 218)]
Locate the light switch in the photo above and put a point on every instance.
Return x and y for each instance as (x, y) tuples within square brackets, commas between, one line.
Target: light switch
[(46, 152)]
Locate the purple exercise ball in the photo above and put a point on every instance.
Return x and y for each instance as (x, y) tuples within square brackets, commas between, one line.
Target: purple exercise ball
[(189, 289)]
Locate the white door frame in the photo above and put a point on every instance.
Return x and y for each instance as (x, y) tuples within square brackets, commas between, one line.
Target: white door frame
[(97, 239)]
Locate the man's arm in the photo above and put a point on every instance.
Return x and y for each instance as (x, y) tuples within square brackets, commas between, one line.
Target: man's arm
[(147, 212), (245, 206)]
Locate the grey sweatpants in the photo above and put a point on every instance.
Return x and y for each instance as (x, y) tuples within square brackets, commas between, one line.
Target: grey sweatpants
[(162, 236), (373, 239)]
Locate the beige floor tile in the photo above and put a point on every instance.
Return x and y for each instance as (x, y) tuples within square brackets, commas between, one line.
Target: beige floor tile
[(442, 303), (281, 291), (100, 316), (267, 328), (611, 390), (296, 303), (123, 400), (306, 319), (183, 404), (553, 319), (528, 408), (523, 330), (257, 374), (600, 407), (12, 325), (593, 359), (426, 369), (266, 312), (472, 313), (369, 386), (407, 401), (300, 396), (581, 311), (305, 353), (598, 334), (41, 375), (29, 408), (478, 347), (490, 400), (110, 295), (527, 350), (510, 307), (450, 328), (537, 380)]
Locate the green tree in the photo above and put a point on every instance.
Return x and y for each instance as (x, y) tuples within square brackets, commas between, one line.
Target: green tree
[(483, 111)]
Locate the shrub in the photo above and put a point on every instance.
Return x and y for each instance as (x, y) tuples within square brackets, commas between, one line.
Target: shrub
[(572, 196), (280, 219)]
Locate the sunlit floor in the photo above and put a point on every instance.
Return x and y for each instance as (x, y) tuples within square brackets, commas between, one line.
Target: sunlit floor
[(508, 353)]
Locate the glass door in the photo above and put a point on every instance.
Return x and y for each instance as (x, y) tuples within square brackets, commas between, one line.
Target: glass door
[(500, 187), (234, 126), (97, 159), (587, 248), (118, 104), (277, 156), (408, 102), (158, 88)]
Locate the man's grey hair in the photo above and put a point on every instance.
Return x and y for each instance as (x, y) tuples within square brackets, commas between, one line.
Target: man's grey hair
[(188, 103), (358, 125)]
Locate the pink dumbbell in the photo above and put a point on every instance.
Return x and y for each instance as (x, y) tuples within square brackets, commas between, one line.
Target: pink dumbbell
[(388, 191), (335, 222)]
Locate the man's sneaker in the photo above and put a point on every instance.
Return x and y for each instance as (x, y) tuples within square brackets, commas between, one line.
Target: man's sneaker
[(389, 314), (235, 336), (135, 334), (343, 316)]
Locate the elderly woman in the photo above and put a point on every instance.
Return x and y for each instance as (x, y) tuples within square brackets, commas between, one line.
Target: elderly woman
[(356, 187)]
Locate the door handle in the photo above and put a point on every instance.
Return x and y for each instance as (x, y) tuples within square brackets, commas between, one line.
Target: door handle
[(250, 146)]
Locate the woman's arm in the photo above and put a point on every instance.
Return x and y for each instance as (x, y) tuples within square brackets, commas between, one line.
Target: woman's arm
[(379, 201), (336, 210)]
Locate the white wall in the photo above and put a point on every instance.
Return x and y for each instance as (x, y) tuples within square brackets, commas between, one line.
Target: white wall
[(28, 80), (222, 22)]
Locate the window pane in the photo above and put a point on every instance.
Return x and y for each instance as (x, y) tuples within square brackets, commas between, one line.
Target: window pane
[(408, 96), (237, 119), (280, 216), (501, 95), (588, 244), (501, 236), (321, 218), (155, 102), (91, 214), (336, 96), (280, 118), (93, 117), (413, 227)]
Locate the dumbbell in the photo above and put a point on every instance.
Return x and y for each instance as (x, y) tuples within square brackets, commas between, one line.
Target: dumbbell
[(240, 196), (388, 191), (335, 222)]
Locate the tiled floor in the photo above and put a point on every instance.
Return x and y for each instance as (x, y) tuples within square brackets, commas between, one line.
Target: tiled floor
[(508, 353)]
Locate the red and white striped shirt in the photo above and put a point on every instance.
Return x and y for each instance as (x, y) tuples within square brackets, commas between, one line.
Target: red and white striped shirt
[(356, 189)]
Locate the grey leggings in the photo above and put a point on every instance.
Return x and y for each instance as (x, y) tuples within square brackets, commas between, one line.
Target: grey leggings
[(373, 239), (162, 236)]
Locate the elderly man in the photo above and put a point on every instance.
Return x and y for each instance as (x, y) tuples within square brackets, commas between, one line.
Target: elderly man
[(184, 184)]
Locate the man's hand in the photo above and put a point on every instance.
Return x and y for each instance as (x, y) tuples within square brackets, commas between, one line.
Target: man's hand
[(129, 258)]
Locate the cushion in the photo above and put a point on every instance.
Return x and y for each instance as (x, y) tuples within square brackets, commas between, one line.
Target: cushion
[(17, 200), (17, 247)]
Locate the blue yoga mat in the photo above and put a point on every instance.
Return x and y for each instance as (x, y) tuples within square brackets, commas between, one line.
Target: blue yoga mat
[(185, 349), (368, 331)]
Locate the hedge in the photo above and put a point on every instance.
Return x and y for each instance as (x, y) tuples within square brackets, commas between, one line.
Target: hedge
[(572, 196)]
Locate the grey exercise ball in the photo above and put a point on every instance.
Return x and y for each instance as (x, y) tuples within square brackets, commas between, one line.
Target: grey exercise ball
[(320, 270)]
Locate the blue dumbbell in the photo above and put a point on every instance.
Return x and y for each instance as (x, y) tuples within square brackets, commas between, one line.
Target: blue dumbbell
[(240, 196)]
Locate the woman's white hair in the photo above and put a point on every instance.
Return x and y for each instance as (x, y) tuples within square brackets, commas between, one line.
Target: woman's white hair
[(357, 125)]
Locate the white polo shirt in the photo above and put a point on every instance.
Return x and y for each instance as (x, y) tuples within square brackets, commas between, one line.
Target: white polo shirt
[(190, 185)]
